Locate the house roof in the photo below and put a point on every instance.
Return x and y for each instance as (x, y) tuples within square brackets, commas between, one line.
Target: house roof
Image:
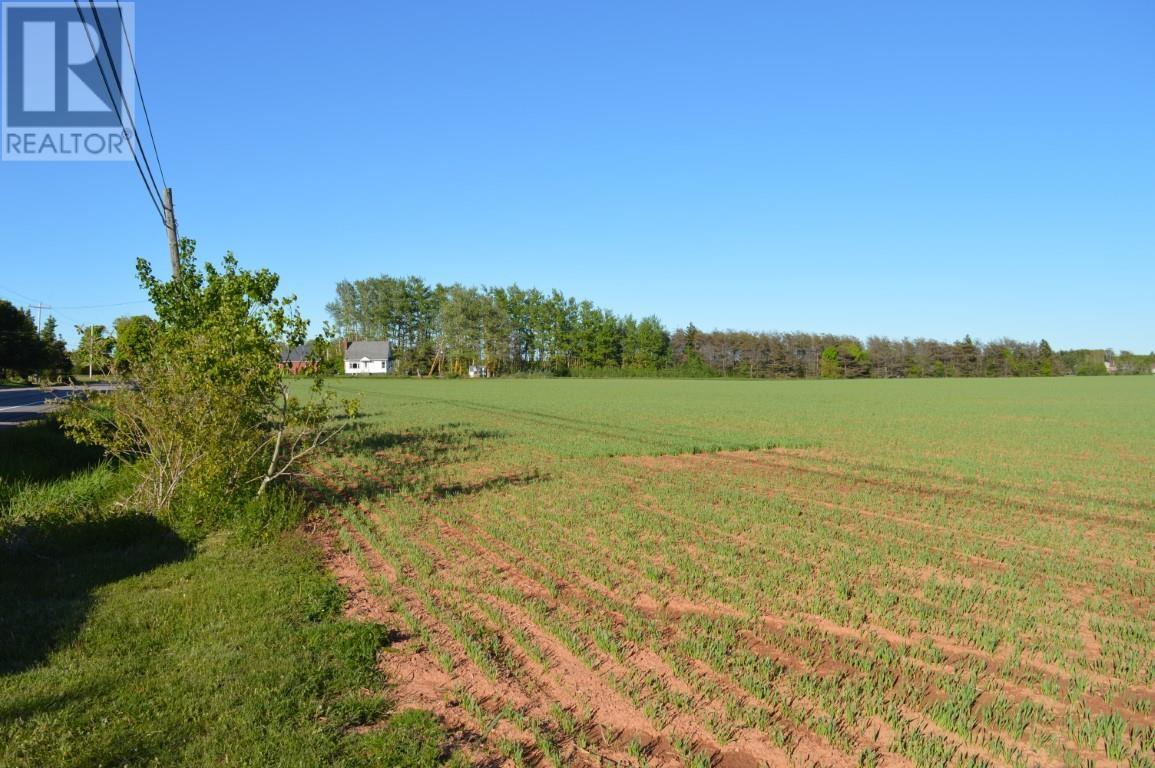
[(374, 350), (297, 354)]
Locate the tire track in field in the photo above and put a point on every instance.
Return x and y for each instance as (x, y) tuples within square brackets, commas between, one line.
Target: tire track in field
[(756, 460), (870, 471), (984, 509), (964, 487), (612, 431)]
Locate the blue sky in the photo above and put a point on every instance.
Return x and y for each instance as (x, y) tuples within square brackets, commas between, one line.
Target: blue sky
[(895, 168)]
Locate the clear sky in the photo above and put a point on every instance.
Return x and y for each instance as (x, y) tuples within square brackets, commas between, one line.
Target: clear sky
[(897, 168)]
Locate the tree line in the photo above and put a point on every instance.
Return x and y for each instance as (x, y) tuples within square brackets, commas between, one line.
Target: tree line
[(445, 329), (26, 351)]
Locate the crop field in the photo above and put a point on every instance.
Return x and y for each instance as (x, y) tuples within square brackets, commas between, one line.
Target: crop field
[(857, 573)]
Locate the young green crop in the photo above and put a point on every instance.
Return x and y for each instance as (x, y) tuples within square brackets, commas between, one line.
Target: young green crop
[(956, 572)]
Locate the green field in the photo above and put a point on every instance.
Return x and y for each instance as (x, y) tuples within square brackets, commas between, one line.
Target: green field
[(942, 572)]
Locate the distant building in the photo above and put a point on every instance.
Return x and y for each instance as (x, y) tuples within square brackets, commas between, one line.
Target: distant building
[(477, 372), (368, 357), (298, 359), (1110, 366)]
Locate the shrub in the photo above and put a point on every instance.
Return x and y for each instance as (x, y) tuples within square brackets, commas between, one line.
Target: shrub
[(206, 421)]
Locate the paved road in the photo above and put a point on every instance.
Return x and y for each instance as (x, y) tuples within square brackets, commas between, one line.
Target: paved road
[(28, 403)]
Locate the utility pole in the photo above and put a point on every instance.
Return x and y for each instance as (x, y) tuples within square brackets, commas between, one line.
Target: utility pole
[(39, 310), (90, 352), (170, 225)]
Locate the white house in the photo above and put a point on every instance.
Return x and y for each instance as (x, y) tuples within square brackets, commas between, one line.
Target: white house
[(369, 357)]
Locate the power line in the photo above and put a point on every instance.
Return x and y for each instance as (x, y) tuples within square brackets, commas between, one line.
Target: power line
[(18, 293), (60, 315), (140, 92), (76, 324), (165, 208), (108, 88), (26, 297), (104, 306), (120, 90)]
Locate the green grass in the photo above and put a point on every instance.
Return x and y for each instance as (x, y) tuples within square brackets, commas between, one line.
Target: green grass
[(958, 571), (38, 452), (123, 644), (149, 653)]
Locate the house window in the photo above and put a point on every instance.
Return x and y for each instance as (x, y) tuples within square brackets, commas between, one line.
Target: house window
[(352, 366)]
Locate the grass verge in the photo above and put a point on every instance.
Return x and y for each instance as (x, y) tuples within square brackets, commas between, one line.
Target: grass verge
[(122, 643), (228, 655)]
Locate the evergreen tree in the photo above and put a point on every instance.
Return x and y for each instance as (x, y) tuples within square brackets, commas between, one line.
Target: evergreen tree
[(20, 345), (54, 361), (1046, 359)]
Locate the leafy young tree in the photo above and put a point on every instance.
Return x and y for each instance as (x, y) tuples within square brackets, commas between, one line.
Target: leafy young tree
[(845, 360), (518, 307), (686, 346), (133, 341), (209, 419), (598, 342), (94, 349), (496, 328), (645, 344), (460, 325), (830, 367)]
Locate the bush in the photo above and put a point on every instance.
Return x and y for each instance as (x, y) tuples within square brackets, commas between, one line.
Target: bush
[(207, 422)]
